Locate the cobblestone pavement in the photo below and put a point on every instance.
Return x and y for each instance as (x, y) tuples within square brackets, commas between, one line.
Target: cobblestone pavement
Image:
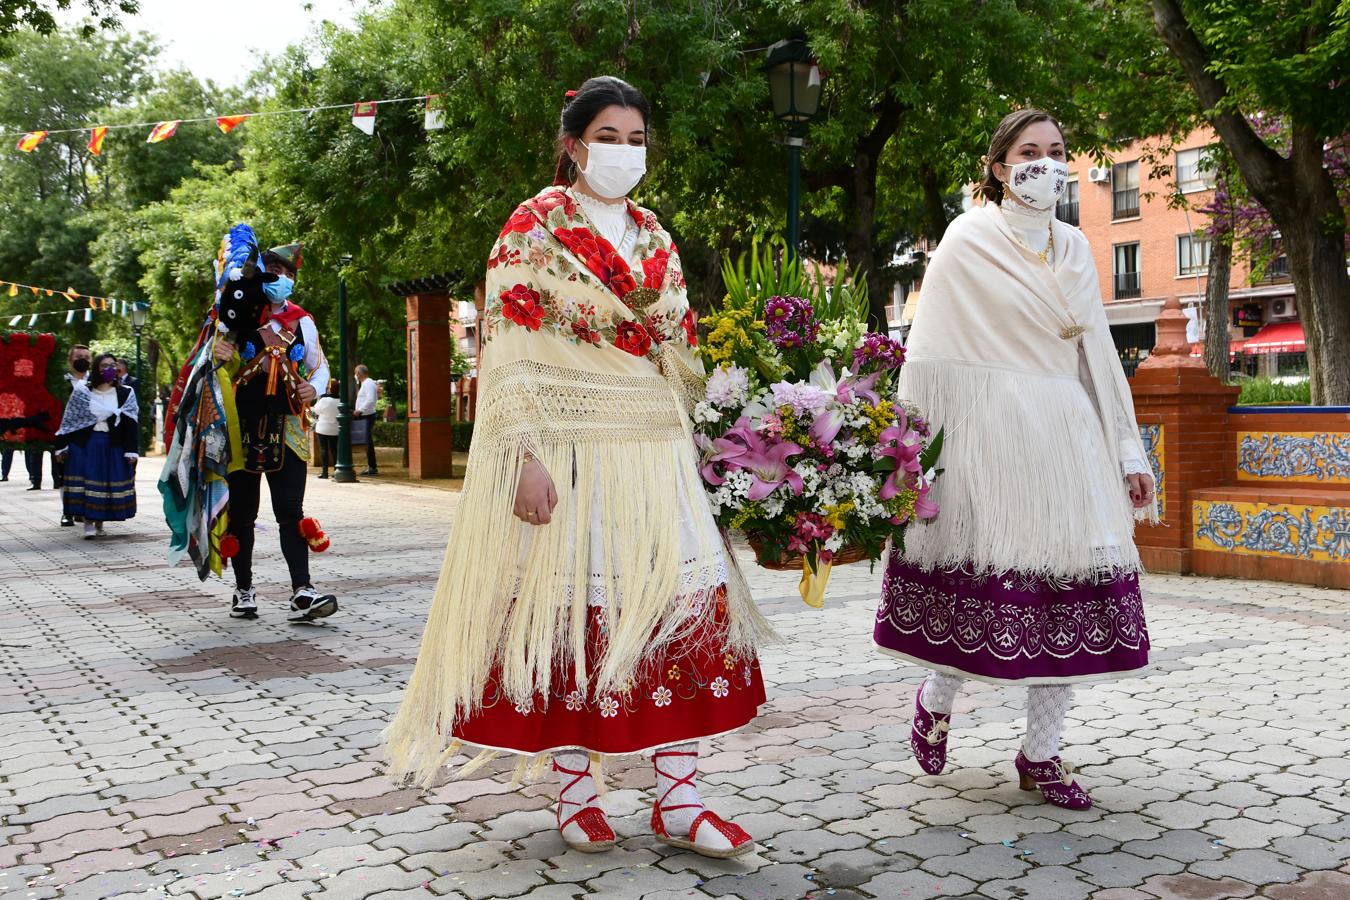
[(152, 745)]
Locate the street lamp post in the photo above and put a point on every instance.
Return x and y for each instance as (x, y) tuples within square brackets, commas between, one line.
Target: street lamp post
[(343, 471), (794, 85), (139, 313)]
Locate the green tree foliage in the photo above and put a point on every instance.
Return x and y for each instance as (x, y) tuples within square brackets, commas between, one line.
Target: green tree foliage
[(40, 16)]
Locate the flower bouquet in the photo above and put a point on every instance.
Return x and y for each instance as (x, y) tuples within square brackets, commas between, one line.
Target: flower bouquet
[(802, 446)]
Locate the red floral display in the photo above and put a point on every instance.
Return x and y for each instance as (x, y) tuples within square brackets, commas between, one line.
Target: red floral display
[(632, 338), (29, 412), (521, 305)]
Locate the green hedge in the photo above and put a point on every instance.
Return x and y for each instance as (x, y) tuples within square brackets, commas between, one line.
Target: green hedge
[(463, 436), (1261, 391), (391, 434)]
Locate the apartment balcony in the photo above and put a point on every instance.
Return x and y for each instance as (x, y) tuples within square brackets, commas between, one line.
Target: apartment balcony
[(1125, 204), (1128, 286)]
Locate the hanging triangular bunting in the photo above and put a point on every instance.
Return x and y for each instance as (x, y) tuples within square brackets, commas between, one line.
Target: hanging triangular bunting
[(434, 117), (226, 124), (29, 142), (363, 116), (96, 136), (14, 290), (93, 304), (162, 132), (89, 315), (71, 294), (32, 320), (15, 321), (70, 316)]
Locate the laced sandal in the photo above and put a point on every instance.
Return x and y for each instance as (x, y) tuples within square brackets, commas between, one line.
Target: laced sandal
[(590, 819), (740, 841), (1054, 779), (928, 736)]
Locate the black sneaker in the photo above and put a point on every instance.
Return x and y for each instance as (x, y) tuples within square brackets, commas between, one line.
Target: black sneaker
[(369, 472), (244, 605), (308, 604), (67, 522)]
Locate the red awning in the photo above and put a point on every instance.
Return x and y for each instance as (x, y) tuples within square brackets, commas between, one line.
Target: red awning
[(1277, 337), (1234, 348)]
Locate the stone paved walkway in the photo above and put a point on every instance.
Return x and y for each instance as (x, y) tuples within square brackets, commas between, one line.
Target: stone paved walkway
[(150, 745)]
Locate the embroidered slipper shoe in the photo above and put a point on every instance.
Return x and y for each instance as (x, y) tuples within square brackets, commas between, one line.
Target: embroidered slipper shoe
[(587, 830), (1054, 779), (928, 736), (709, 834)]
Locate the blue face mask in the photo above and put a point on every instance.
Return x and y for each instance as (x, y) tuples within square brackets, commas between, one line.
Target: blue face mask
[(278, 291)]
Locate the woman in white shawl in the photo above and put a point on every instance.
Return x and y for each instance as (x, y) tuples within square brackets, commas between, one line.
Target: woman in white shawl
[(1030, 575)]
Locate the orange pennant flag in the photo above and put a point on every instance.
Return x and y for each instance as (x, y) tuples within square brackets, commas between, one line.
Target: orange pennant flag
[(103, 302), (96, 136), (93, 304), (14, 290), (70, 294), (162, 132), (29, 142), (229, 123)]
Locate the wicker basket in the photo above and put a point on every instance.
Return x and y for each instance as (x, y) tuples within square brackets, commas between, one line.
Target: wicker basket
[(849, 553)]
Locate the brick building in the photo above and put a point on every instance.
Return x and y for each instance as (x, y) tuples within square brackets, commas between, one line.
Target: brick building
[(1147, 249)]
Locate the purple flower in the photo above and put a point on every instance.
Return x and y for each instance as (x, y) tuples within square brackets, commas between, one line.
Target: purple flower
[(879, 351), (790, 322)]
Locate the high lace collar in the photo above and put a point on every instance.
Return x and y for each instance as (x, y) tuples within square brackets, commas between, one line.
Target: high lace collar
[(1024, 218)]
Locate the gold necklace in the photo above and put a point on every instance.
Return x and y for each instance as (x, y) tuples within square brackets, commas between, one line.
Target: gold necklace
[(1049, 248)]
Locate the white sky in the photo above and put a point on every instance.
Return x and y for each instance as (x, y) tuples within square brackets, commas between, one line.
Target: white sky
[(220, 39)]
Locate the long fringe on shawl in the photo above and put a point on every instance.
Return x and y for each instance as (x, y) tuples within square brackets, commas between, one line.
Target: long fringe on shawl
[(1017, 493), (515, 596)]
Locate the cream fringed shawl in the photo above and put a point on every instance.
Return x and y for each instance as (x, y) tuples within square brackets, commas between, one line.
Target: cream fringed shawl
[(1031, 458), (588, 366)]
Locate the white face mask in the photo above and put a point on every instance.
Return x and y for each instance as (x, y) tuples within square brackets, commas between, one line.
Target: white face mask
[(612, 170), (1039, 183)]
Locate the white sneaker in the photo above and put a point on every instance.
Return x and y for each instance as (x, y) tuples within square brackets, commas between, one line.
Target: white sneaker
[(307, 604), (244, 605), (89, 531)]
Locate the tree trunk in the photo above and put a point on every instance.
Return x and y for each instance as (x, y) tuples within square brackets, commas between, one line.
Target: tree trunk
[(1301, 199), (861, 246), (1216, 309), (935, 212)]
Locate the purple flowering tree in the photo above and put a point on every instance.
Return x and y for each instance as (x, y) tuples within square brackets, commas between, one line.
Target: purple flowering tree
[(1289, 61)]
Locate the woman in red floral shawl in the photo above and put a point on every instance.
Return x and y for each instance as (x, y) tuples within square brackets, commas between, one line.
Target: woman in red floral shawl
[(587, 604)]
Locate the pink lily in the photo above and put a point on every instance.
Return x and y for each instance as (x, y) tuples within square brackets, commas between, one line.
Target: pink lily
[(769, 468), (902, 444), (925, 508), (729, 449)]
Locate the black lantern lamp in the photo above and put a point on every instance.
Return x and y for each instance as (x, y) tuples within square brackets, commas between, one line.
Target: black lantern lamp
[(794, 85)]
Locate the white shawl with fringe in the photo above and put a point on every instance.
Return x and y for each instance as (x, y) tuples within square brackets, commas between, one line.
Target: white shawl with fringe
[(1032, 480)]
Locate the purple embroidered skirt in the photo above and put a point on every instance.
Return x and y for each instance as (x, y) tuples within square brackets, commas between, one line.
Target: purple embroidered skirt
[(1012, 628)]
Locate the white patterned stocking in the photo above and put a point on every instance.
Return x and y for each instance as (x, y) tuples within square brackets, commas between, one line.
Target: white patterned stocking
[(939, 692), (574, 793), (1047, 705), (675, 767)]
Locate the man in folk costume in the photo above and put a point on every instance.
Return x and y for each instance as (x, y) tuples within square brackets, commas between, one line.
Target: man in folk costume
[(587, 603), (278, 370), (1030, 575)]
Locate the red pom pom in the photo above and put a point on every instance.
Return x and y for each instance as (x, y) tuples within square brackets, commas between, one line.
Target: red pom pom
[(320, 544), (310, 528), (229, 547)]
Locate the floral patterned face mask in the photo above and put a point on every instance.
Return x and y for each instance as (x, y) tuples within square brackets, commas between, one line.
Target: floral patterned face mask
[(1039, 183)]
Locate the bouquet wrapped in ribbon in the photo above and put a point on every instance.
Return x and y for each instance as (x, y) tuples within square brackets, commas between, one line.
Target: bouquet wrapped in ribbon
[(803, 447)]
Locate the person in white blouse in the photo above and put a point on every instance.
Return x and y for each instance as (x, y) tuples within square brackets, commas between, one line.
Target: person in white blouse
[(367, 396), (324, 415), (98, 445), (1030, 575), (275, 442)]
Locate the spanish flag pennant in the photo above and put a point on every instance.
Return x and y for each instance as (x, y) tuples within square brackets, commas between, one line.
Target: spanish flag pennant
[(29, 142), (70, 294), (163, 131), (96, 136), (14, 290), (226, 124), (363, 116), (93, 304), (103, 303)]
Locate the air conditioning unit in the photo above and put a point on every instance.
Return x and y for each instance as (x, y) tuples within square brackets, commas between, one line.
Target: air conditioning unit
[(1099, 174), (1284, 306)]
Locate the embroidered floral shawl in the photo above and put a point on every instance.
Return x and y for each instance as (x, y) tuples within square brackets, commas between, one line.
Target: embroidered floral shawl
[(587, 365)]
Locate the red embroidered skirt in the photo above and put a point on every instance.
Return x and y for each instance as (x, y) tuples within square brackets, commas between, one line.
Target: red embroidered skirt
[(696, 688)]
